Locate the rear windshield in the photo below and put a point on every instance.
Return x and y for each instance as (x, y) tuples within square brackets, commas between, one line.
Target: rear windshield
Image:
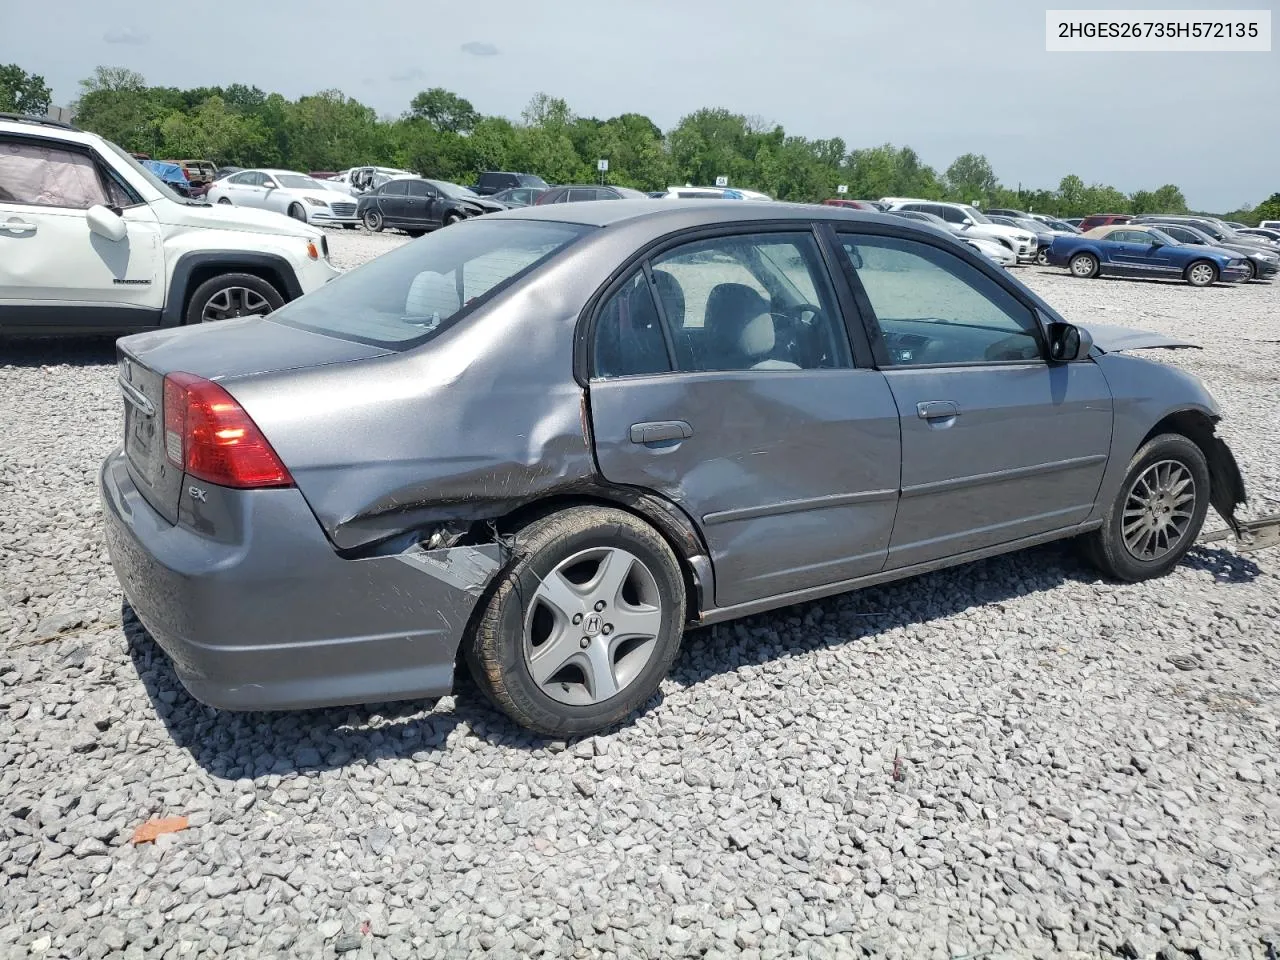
[(407, 296)]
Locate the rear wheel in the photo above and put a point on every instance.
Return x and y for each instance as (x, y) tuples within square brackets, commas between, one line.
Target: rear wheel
[(1202, 273), (224, 200), (415, 233), (1083, 265), (583, 624), (1157, 514), (232, 295)]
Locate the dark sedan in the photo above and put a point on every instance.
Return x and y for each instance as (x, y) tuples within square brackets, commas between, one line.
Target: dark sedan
[(1264, 264), (1129, 250), (415, 205), (575, 193), (546, 442)]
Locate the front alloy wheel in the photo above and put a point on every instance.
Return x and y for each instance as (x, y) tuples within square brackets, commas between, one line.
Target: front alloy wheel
[(1157, 513), (1201, 274)]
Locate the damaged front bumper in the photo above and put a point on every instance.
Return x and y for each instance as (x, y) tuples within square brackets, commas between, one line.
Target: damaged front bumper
[(257, 611)]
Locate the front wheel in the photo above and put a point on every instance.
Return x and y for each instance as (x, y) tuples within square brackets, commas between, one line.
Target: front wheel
[(1083, 265), (1202, 273), (1157, 514), (297, 211), (452, 219), (1042, 257), (224, 200), (232, 295), (583, 624), (373, 221)]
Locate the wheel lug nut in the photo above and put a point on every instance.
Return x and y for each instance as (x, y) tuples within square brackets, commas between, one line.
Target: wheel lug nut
[(599, 605), (577, 618), (607, 629), (586, 642)]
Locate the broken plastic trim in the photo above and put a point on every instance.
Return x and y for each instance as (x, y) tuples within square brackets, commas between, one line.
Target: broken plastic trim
[(466, 568)]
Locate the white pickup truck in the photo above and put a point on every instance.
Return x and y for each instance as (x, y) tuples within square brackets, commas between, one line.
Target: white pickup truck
[(92, 242)]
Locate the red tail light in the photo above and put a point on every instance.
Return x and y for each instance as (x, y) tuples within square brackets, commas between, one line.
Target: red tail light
[(209, 436)]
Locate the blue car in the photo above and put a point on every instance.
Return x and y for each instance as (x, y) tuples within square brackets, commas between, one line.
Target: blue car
[(1127, 250)]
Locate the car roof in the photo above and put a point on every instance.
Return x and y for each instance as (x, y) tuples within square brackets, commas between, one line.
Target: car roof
[(687, 213)]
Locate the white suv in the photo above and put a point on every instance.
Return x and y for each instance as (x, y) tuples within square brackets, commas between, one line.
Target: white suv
[(92, 242), (970, 222)]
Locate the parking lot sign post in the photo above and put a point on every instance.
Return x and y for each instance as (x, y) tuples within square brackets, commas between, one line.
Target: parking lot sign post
[(842, 188), (603, 166), (722, 181)]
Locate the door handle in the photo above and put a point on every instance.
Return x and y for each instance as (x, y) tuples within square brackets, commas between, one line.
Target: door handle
[(937, 409), (660, 430), (14, 225)]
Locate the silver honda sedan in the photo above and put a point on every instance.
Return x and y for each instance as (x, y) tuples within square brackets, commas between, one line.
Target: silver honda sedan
[(552, 439)]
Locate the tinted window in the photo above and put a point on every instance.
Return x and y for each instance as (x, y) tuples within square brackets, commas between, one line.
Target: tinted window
[(48, 176), (394, 188), (242, 178), (750, 302), (629, 338), (418, 189), (933, 307), (582, 193), (949, 214), (408, 295), (528, 180)]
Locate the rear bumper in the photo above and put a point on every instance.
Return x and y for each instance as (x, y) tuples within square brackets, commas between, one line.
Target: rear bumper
[(261, 614)]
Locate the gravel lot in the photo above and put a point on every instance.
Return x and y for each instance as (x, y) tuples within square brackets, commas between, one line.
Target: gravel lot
[(1010, 759)]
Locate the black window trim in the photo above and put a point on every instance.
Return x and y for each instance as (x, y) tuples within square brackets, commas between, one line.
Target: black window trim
[(961, 252), (104, 171)]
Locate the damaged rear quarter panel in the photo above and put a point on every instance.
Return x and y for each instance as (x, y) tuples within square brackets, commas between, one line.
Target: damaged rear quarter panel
[(480, 420)]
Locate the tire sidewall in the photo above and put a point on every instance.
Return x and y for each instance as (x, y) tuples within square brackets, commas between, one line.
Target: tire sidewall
[(298, 207), (515, 592), (372, 221), (214, 285), (1164, 447)]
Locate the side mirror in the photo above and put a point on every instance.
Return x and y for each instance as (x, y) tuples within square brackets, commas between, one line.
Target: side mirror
[(269, 184), (105, 223), (1157, 244), (1067, 342)]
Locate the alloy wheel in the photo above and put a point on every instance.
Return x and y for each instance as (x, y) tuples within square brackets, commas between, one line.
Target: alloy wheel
[(592, 626), (1082, 266), (1202, 274), (235, 302), (1158, 510)]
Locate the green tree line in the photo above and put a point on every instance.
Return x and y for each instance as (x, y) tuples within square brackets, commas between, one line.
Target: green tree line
[(442, 135)]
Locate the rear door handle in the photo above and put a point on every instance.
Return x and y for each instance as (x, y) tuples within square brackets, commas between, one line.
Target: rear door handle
[(14, 225), (937, 409), (660, 430)]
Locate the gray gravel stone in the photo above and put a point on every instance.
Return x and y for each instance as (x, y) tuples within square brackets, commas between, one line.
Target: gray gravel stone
[(1062, 785)]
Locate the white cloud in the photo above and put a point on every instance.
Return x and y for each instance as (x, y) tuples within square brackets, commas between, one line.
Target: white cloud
[(479, 49), (126, 35)]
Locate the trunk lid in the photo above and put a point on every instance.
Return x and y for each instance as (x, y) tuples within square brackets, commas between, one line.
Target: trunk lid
[(228, 350)]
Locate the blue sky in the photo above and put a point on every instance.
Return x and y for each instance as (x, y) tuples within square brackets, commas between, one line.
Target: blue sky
[(944, 76)]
